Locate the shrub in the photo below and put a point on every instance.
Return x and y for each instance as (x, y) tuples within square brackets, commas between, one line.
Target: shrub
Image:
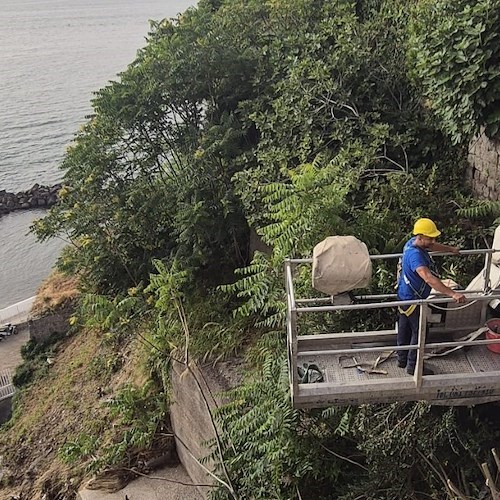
[(453, 53)]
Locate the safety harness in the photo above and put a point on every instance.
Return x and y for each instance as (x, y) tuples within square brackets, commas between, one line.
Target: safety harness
[(418, 293)]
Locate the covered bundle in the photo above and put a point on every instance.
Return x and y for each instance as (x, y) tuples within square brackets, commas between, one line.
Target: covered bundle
[(341, 264)]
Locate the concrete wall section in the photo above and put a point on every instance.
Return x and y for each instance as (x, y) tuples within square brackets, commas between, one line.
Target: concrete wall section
[(16, 313), (256, 244), (41, 328), (484, 170), (191, 422), (5, 410), (197, 391)]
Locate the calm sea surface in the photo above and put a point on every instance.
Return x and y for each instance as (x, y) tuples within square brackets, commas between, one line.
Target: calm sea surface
[(53, 55)]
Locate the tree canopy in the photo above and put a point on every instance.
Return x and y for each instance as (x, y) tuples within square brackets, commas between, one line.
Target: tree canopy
[(294, 120)]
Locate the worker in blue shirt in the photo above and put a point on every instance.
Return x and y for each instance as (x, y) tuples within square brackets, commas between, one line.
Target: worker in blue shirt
[(416, 279)]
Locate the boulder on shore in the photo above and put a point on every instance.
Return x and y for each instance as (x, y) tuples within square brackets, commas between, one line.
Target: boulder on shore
[(38, 196)]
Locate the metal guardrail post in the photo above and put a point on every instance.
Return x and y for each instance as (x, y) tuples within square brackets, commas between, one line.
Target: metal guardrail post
[(487, 283), (291, 329), (487, 270), (422, 330)]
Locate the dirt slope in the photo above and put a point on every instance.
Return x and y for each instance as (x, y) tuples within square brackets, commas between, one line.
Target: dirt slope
[(53, 410)]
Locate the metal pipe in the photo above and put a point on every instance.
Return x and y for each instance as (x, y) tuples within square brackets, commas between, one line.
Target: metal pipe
[(381, 305), (361, 297), (289, 283), (466, 343), (356, 350), (355, 297), (479, 251)]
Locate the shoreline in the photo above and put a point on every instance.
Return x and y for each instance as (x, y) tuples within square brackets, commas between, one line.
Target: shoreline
[(10, 347), (17, 313), (38, 196)]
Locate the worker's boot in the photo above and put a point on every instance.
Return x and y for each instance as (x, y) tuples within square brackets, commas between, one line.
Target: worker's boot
[(426, 371)]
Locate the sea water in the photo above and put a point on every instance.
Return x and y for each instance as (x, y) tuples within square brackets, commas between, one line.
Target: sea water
[(53, 55)]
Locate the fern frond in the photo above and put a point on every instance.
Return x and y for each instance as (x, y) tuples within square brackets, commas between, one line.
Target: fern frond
[(481, 208)]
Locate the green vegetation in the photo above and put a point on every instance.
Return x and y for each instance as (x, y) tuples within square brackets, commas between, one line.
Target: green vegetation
[(141, 414), (294, 120), (35, 356), (454, 49)]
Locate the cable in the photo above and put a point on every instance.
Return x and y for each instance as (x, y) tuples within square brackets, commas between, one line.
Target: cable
[(434, 306), (135, 471), (207, 404)]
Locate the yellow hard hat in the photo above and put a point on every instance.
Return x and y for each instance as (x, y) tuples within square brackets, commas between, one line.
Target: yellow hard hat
[(427, 228)]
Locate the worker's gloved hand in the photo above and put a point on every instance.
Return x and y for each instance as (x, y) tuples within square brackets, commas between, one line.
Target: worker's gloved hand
[(455, 250), (458, 297)]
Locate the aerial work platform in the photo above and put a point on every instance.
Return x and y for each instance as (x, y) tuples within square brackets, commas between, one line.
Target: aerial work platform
[(360, 366)]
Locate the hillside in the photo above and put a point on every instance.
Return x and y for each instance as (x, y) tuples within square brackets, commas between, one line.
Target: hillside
[(66, 421), (246, 125)]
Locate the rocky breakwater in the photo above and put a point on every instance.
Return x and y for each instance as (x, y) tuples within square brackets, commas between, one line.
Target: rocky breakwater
[(36, 197)]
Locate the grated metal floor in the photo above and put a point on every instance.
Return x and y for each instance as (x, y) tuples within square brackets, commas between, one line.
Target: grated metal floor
[(475, 359)]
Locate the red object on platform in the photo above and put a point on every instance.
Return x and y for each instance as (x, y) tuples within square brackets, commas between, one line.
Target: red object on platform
[(493, 332)]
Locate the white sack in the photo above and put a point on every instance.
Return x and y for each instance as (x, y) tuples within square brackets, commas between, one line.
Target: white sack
[(496, 246), (341, 264)]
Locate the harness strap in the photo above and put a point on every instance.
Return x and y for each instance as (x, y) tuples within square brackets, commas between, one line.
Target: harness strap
[(367, 367), (448, 350), (418, 292), (409, 311)]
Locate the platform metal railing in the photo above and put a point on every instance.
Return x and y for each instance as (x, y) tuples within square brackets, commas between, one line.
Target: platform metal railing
[(7, 388), (296, 307)]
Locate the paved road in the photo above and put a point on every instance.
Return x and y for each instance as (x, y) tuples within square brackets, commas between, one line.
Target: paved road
[(172, 483), (10, 349)]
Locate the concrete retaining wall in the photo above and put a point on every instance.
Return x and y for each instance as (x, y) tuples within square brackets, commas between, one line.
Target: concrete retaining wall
[(5, 409), (16, 313), (484, 170), (41, 328), (197, 391), (256, 244)]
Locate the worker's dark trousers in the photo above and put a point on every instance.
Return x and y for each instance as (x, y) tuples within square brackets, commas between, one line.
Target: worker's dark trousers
[(408, 335)]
